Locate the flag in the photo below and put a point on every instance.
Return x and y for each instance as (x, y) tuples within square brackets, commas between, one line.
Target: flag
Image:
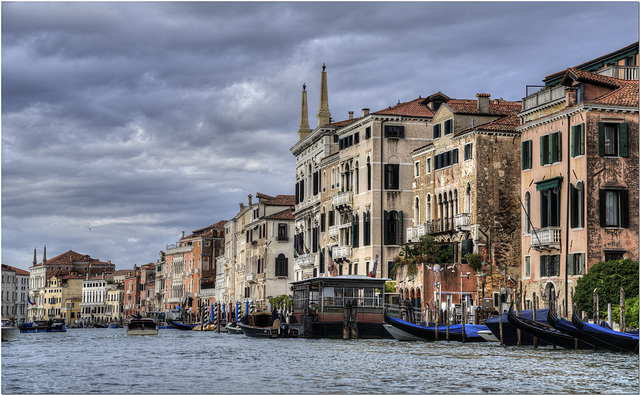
[(375, 267), (333, 271), (31, 302)]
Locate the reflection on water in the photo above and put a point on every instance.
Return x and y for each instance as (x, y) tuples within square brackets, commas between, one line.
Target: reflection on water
[(107, 361)]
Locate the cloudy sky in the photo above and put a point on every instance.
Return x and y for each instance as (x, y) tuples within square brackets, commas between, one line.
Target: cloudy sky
[(124, 124)]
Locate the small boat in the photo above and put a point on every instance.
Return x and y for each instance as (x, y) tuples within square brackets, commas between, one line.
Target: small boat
[(233, 328), (114, 325), (488, 336), (510, 332), (181, 326), (53, 325), (399, 334), (424, 332), (546, 332), (261, 325), (9, 329), (141, 327), (621, 341)]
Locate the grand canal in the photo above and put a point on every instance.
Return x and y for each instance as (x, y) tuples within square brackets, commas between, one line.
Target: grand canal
[(107, 361)]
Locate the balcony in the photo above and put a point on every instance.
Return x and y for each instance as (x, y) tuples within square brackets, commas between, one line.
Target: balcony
[(463, 221), (415, 233), (174, 249), (343, 201), (341, 252), (306, 261), (544, 97), (546, 238), (251, 278), (621, 72), (334, 232)]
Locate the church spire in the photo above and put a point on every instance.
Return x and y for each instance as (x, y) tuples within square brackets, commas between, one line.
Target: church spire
[(303, 130), (35, 262), (324, 116), (44, 257)]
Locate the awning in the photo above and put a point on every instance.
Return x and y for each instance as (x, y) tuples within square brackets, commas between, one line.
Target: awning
[(548, 184)]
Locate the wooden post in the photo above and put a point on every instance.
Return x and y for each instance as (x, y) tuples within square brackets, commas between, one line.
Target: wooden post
[(518, 334), (446, 316), (535, 307), (596, 306), (346, 319), (609, 318), (500, 317), (438, 313), (354, 319), (463, 311), (622, 311), (219, 317)]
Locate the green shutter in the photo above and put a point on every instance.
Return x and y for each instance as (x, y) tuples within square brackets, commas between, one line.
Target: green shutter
[(574, 145), (544, 150), (573, 193), (570, 270), (530, 154), (399, 228), (553, 148), (624, 208), (543, 266), (558, 136), (623, 140), (600, 138), (385, 225), (524, 153), (603, 208), (582, 142)]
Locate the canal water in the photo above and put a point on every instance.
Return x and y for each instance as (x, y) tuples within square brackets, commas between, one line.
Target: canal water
[(107, 361)]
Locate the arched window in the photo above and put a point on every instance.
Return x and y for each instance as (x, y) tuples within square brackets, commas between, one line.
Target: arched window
[(324, 181), (393, 227), (440, 206), (455, 202), (416, 212), (467, 199), (428, 211), (527, 212), (333, 177), (346, 178), (282, 266), (368, 174)]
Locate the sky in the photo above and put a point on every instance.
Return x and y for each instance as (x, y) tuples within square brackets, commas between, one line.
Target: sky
[(124, 124)]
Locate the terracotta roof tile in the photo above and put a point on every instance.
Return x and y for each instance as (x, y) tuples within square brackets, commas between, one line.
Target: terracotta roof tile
[(15, 269), (496, 106), (284, 215), (625, 92), (72, 257), (412, 108)]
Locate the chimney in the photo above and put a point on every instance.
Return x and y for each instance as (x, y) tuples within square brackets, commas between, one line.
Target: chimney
[(250, 196), (350, 114), (241, 206), (571, 97), (182, 237), (365, 112), (483, 103)]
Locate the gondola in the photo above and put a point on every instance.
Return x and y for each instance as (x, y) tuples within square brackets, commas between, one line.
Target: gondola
[(568, 328), (177, 325), (509, 332), (546, 332), (429, 332), (261, 324), (621, 341)]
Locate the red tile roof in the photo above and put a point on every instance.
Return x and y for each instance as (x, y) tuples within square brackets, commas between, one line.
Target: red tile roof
[(412, 108), (625, 92), (284, 215), (280, 200), (70, 257), (496, 106), (15, 269)]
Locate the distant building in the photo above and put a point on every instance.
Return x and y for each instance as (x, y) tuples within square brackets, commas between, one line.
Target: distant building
[(147, 291), (131, 296), (69, 263), (579, 175), (64, 294), (15, 292)]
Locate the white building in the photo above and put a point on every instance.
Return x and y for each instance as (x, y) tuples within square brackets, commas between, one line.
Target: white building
[(15, 291)]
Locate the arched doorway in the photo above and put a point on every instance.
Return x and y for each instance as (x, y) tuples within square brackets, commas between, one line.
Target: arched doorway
[(549, 296)]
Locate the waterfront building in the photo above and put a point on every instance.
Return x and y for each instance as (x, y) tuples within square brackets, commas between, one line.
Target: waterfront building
[(114, 303), (94, 297), (259, 251), (464, 184), (147, 291), (70, 262), (190, 263), (579, 175), (64, 294), (15, 292), (353, 187), (160, 283), (131, 293)]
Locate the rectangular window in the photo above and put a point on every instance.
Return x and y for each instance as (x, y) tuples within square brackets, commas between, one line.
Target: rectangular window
[(577, 205), (575, 264), (468, 151), (282, 232), (527, 147), (436, 131), (612, 139), (614, 208), (527, 266), (613, 255), (416, 169), (549, 265), (428, 165), (550, 208), (367, 132), (356, 137), (550, 148), (448, 126), (393, 131), (391, 176), (577, 140)]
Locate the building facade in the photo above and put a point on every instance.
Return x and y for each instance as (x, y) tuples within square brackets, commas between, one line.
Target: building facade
[(579, 175), (15, 292)]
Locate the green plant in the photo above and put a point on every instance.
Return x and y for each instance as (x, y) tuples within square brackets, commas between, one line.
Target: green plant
[(631, 313), (427, 251), (474, 260), (281, 302)]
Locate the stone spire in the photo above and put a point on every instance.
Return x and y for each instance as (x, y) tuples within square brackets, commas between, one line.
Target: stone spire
[(44, 257), (303, 130), (35, 262), (324, 116)]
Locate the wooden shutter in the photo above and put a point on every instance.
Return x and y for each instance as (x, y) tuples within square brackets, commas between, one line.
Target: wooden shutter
[(624, 208), (623, 146), (543, 265), (399, 228), (385, 225), (553, 148), (544, 150), (600, 138), (558, 137), (524, 154), (530, 153), (401, 131), (573, 194), (575, 138), (603, 208), (323, 222), (581, 144), (569, 265)]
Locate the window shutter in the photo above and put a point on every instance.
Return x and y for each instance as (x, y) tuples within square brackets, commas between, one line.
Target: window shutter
[(399, 228), (523, 152), (530, 153), (385, 225), (575, 138), (581, 143), (570, 270), (624, 208), (558, 137), (573, 192), (553, 148), (544, 150), (603, 208), (600, 138), (386, 176), (323, 222), (543, 266), (356, 233), (401, 131), (623, 146)]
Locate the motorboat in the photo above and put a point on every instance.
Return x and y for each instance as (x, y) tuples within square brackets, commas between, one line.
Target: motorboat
[(9, 329), (141, 327), (261, 324), (233, 328), (52, 325)]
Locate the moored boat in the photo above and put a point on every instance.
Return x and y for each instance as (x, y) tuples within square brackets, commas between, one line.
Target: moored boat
[(260, 324), (53, 325), (510, 333), (141, 327), (622, 341), (424, 332), (399, 334), (181, 326), (488, 336), (547, 333), (9, 329), (233, 328)]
